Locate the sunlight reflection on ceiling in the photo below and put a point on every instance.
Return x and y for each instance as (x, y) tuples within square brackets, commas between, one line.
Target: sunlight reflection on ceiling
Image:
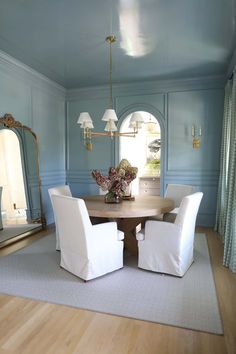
[(134, 41)]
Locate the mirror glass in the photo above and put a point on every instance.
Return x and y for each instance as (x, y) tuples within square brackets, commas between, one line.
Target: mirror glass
[(20, 192)]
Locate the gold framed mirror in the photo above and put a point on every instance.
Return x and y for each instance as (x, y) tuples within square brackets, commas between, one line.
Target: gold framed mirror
[(21, 212)]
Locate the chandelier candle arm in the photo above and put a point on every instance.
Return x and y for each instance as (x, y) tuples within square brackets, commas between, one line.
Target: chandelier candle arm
[(111, 134)]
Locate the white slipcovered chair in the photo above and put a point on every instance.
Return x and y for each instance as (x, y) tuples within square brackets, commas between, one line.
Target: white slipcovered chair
[(87, 250), (58, 190), (168, 248), (176, 192)]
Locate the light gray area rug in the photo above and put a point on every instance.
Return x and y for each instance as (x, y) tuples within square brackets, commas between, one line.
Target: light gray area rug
[(10, 231), (188, 302)]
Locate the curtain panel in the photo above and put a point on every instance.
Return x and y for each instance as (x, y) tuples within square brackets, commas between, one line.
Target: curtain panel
[(226, 201)]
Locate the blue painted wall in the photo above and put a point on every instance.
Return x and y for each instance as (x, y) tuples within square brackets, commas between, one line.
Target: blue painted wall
[(52, 113), (40, 104), (177, 105)]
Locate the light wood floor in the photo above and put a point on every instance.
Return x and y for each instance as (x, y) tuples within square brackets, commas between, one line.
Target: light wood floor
[(33, 327)]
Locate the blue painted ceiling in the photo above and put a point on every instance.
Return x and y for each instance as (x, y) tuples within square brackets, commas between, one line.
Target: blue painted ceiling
[(156, 39)]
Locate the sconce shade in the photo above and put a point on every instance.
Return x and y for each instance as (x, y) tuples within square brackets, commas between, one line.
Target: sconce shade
[(110, 127), (109, 114), (84, 117)]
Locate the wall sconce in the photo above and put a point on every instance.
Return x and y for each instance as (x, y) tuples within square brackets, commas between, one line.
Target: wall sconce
[(196, 137)]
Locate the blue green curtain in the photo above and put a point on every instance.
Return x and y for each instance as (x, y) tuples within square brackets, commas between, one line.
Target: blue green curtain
[(226, 201)]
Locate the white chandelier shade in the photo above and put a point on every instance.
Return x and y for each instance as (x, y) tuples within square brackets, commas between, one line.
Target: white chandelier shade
[(110, 126), (85, 121), (136, 121), (109, 115)]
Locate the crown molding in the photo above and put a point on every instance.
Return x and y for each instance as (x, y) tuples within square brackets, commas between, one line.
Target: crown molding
[(120, 89), (27, 73), (147, 87)]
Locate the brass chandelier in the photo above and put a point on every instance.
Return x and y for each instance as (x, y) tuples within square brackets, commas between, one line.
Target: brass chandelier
[(109, 116)]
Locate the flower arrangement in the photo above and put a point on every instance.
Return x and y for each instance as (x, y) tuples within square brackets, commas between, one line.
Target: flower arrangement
[(117, 181)]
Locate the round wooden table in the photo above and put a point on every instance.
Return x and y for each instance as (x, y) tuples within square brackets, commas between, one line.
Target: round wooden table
[(129, 213)]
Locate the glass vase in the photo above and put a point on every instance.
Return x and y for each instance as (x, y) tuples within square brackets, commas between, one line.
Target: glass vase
[(111, 197)]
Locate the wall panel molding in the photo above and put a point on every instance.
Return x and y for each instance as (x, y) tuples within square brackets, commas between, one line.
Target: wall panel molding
[(146, 88), (83, 176), (52, 177), (42, 102)]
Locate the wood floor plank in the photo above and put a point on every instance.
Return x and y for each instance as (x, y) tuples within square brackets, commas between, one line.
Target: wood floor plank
[(28, 326)]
